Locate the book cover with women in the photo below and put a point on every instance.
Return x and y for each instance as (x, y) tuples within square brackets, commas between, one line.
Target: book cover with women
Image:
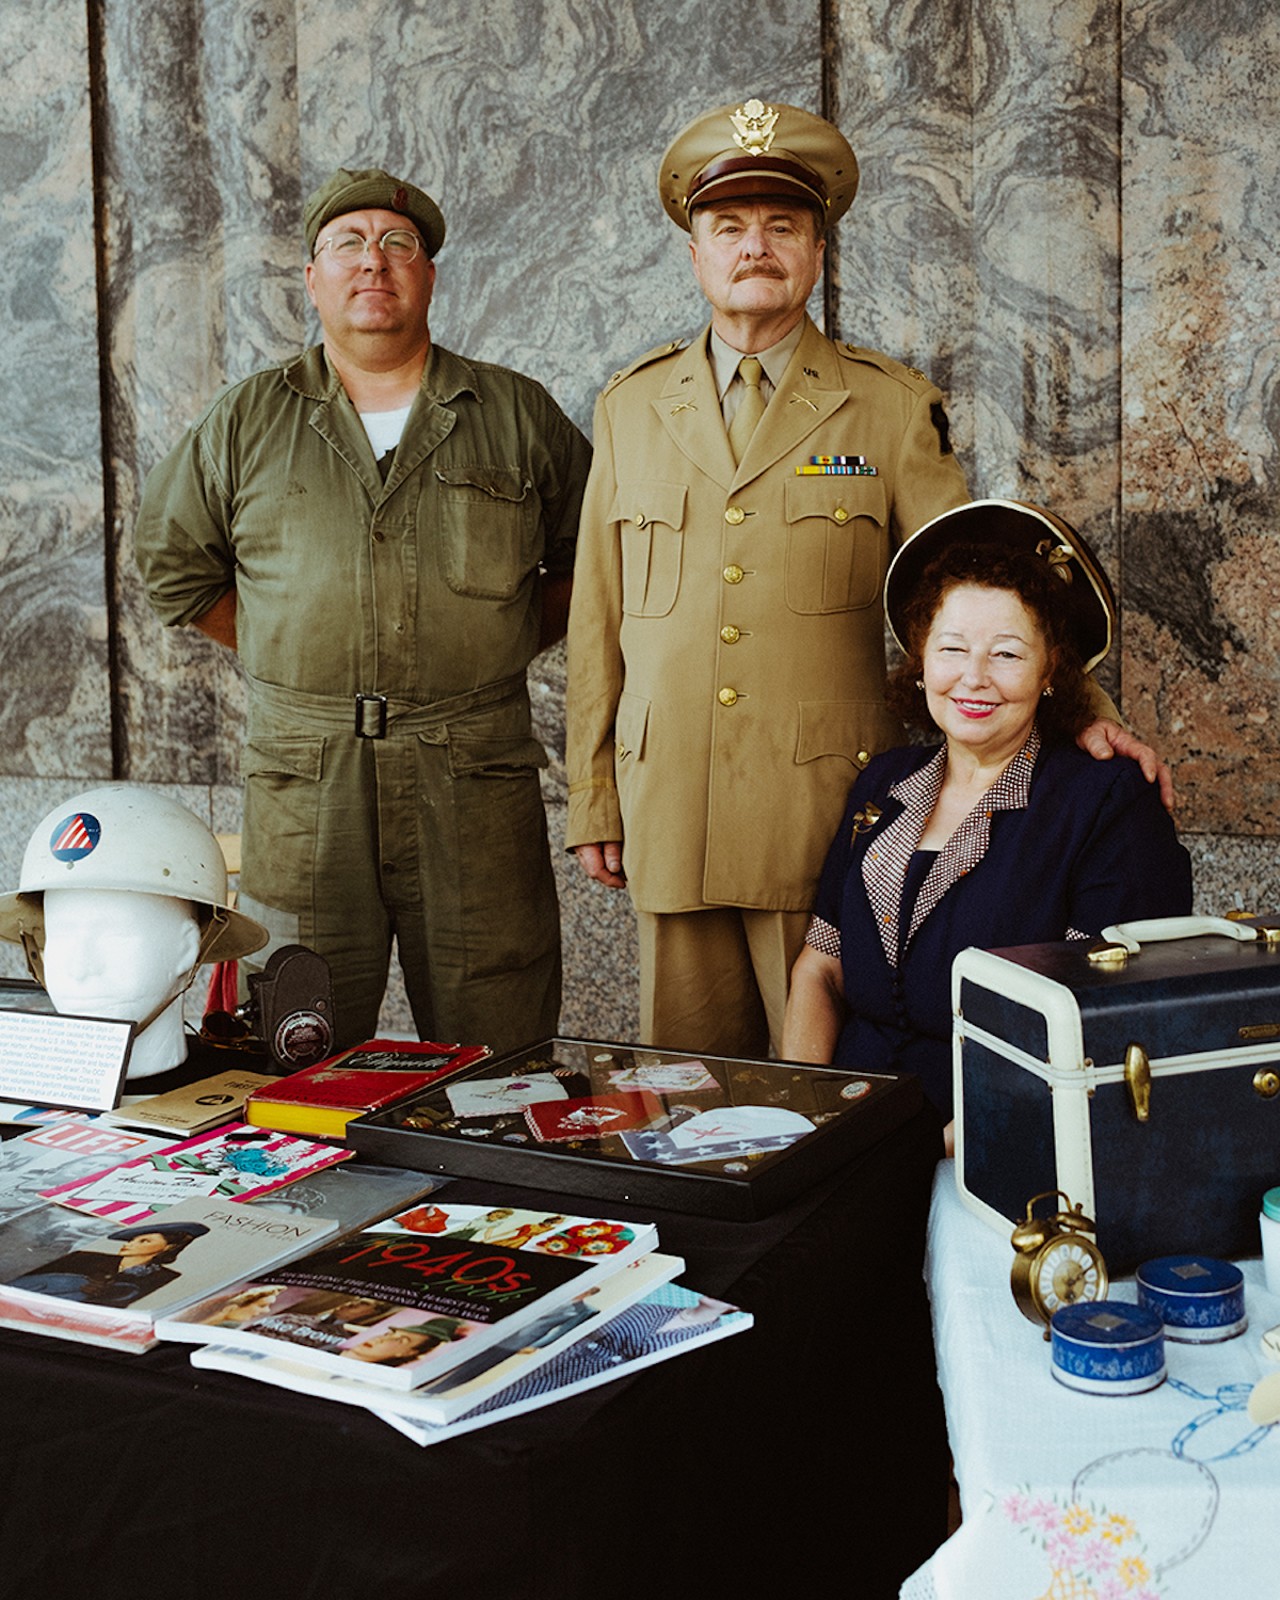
[(484, 1373), (665, 1322)]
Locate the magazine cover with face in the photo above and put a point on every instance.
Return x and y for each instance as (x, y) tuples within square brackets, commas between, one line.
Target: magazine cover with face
[(110, 1287)]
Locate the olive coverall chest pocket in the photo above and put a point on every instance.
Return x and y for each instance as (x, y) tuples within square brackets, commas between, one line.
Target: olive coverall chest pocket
[(488, 533)]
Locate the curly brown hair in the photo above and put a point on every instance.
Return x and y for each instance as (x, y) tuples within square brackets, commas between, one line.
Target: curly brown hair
[(1049, 600)]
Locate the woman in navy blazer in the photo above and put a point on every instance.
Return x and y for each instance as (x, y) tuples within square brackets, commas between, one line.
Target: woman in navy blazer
[(1007, 833)]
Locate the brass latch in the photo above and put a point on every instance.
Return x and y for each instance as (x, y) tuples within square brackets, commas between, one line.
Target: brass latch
[(1137, 1074)]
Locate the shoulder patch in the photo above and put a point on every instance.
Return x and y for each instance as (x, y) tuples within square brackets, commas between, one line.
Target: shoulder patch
[(658, 353), (938, 412), (886, 364)]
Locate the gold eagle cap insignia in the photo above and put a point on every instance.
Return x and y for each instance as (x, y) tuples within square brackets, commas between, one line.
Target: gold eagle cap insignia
[(753, 126)]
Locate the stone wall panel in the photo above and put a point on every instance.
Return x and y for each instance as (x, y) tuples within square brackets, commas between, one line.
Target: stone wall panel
[(1066, 217)]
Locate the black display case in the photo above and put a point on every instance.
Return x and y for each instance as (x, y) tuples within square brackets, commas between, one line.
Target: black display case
[(709, 1135)]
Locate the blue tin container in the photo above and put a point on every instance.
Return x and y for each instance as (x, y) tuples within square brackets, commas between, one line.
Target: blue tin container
[(1107, 1347), (1199, 1299)]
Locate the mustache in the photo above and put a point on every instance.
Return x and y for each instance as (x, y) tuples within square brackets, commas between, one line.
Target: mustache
[(761, 271)]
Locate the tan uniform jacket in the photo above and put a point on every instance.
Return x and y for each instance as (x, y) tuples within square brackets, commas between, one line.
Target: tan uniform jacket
[(726, 641)]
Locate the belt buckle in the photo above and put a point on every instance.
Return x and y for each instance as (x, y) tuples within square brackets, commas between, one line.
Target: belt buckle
[(371, 716)]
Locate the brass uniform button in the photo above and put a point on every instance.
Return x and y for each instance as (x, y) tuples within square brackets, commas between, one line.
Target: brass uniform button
[(733, 573), (730, 634), (727, 697), (734, 516), (840, 514), (863, 757), (640, 519)]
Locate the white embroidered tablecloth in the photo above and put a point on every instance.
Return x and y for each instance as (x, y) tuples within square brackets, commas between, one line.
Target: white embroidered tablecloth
[(1169, 1495)]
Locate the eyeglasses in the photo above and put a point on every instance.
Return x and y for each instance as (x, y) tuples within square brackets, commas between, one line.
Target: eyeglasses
[(398, 245)]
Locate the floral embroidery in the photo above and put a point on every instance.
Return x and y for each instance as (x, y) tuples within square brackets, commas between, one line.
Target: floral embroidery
[(1078, 1520), (1116, 1529), (1094, 1554)]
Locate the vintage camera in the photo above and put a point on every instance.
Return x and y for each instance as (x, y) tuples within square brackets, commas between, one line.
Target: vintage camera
[(290, 1007)]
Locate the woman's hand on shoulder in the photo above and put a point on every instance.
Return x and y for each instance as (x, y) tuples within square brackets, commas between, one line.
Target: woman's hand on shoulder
[(1104, 738)]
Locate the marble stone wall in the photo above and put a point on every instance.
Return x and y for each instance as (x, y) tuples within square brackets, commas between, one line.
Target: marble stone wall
[(1065, 216), (1200, 398), (55, 678)]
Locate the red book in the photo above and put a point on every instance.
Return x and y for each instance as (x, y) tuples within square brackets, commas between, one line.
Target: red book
[(322, 1099), (592, 1116)]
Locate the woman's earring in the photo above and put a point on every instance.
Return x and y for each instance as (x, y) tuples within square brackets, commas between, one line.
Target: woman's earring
[(1047, 690), (919, 683)]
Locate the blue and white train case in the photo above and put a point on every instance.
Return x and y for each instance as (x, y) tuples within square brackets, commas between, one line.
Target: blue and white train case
[(1146, 1085)]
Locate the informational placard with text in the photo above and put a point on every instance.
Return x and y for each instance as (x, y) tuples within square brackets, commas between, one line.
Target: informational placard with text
[(77, 1062)]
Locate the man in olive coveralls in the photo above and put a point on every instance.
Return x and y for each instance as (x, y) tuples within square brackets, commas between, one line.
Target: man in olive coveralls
[(726, 640), (385, 533)]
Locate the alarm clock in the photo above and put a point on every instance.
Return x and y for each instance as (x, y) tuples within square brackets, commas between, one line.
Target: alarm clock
[(1055, 1261)]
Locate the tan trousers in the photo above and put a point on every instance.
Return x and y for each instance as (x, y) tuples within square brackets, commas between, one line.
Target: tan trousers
[(715, 981)]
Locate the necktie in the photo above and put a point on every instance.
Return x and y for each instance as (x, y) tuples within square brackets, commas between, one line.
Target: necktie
[(751, 409)]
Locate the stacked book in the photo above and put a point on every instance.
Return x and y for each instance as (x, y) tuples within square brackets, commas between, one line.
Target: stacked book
[(104, 1229), (447, 1317), (262, 1250)]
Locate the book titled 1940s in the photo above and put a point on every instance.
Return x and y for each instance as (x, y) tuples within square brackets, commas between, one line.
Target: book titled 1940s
[(413, 1298), (486, 1372)]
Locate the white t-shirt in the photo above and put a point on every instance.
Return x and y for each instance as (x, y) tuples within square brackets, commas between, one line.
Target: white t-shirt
[(384, 429)]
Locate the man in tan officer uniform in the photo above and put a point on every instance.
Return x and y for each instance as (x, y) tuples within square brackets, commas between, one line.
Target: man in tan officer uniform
[(385, 532), (726, 640)]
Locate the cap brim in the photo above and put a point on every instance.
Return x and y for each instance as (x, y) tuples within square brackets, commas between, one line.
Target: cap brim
[(1020, 526), (226, 934)]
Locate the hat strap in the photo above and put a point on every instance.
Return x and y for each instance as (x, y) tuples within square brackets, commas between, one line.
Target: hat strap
[(217, 922)]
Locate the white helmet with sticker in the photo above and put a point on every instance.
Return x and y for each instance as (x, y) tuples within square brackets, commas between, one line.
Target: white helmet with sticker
[(123, 836)]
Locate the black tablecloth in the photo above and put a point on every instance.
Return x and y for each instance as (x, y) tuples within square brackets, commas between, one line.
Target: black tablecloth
[(813, 1442)]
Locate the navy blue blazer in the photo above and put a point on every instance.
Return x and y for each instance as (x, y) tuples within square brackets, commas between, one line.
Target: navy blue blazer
[(1093, 846)]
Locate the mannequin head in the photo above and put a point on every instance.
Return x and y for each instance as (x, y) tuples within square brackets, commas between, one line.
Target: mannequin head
[(123, 895), (113, 953)]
